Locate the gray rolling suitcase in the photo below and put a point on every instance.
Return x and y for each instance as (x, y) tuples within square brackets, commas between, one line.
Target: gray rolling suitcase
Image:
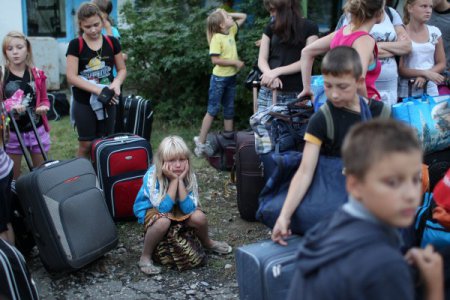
[(265, 269), (67, 212)]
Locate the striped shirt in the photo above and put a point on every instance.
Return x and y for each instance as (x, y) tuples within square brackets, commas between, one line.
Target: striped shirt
[(6, 164)]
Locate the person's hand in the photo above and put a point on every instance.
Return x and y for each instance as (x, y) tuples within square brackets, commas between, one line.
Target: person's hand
[(435, 77), (166, 170), (430, 265), (186, 170), (281, 231), (239, 64), (306, 92), (258, 43), (419, 83), (268, 77), (19, 108), (42, 110), (115, 86)]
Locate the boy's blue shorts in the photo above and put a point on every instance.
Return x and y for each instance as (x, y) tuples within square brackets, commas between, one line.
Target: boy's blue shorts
[(222, 90)]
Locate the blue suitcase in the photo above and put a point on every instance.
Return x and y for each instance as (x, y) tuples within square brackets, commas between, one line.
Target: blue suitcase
[(265, 269)]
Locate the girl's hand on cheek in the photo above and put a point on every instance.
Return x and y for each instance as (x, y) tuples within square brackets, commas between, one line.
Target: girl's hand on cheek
[(168, 172), (186, 170)]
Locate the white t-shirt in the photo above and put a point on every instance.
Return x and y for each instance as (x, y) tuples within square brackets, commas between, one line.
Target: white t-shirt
[(421, 58)]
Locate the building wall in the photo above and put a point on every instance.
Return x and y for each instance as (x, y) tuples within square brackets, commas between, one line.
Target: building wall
[(11, 18)]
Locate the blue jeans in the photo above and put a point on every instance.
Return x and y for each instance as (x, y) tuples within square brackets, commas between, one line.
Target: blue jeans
[(222, 90)]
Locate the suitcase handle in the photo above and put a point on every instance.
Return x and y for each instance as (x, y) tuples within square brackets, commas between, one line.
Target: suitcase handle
[(410, 85), (20, 139)]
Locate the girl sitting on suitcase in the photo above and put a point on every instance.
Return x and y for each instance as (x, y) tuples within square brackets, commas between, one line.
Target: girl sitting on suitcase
[(167, 198), (24, 86)]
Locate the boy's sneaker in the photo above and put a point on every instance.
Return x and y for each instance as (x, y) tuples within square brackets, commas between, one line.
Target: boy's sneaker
[(202, 149)]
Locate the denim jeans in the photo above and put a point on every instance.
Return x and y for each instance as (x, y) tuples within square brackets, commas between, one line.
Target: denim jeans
[(222, 91)]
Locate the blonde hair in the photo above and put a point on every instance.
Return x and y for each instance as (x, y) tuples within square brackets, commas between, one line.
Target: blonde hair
[(7, 40), (406, 15), (363, 10), (173, 147), (214, 22), (85, 11)]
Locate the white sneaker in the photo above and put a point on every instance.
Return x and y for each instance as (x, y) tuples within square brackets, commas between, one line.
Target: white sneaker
[(201, 150)]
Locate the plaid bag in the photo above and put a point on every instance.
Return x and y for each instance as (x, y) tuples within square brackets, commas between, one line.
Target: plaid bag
[(180, 248)]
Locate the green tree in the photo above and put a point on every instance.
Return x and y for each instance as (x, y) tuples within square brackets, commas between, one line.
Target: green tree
[(168, 56)]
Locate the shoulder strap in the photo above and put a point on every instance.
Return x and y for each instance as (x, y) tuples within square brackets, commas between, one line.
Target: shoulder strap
[(108, 40), (389, 13), (328, 120), (385, 112), (80, 44)]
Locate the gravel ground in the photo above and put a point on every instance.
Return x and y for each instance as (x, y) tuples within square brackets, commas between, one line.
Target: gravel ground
[(116, 275)]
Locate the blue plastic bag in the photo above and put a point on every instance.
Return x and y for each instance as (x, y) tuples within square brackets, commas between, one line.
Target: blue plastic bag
[(430, 116), (325, 194), (318, 90), (428, 230)]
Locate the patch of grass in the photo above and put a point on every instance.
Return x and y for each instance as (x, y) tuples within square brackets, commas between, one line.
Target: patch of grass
[(65, 139)]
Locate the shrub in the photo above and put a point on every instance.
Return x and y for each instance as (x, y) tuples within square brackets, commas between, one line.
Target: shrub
[(168, 57)]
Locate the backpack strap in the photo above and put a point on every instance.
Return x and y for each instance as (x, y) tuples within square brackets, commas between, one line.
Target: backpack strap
[(388, 11), (325, 109), (108, 40), (81, 43), (385, 112)]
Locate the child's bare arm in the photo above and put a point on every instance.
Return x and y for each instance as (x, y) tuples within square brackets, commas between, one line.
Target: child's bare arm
[(239, 18), (430, 267), (216, 60), (297, 189)]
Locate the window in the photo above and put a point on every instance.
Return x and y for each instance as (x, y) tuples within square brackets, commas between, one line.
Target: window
[(46, 18)]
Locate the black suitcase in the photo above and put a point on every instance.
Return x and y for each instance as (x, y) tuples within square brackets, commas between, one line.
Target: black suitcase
[(15, 278), (66, 211), (265, 269), (121, 162), (22, 230), (249, 175), (137, 116), (438, 164)]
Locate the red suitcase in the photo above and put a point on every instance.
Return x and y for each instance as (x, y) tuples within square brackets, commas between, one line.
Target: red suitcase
[(121, 162)]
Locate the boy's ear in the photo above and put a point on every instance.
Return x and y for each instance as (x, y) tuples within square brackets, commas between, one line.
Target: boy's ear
[(353, 185)]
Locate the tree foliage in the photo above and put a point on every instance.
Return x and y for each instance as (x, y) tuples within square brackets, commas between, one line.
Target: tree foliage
[(168, 56)]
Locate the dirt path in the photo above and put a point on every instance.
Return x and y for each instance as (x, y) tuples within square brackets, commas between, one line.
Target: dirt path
[(116, 276)]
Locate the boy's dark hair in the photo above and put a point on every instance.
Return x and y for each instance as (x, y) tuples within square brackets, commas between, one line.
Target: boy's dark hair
[(367, 142), (342, 60)]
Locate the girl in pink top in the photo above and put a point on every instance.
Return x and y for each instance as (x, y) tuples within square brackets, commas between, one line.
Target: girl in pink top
[(364, 15)]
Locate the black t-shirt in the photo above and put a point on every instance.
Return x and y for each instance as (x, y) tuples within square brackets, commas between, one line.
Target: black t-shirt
[(285, 53), (343, 119), (94, 65), (26, 83)]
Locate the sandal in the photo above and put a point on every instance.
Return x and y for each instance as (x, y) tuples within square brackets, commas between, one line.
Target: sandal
[(220, 248), (149, 268)]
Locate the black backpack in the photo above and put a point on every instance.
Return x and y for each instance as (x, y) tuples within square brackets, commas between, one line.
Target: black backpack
[(59, 106)]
